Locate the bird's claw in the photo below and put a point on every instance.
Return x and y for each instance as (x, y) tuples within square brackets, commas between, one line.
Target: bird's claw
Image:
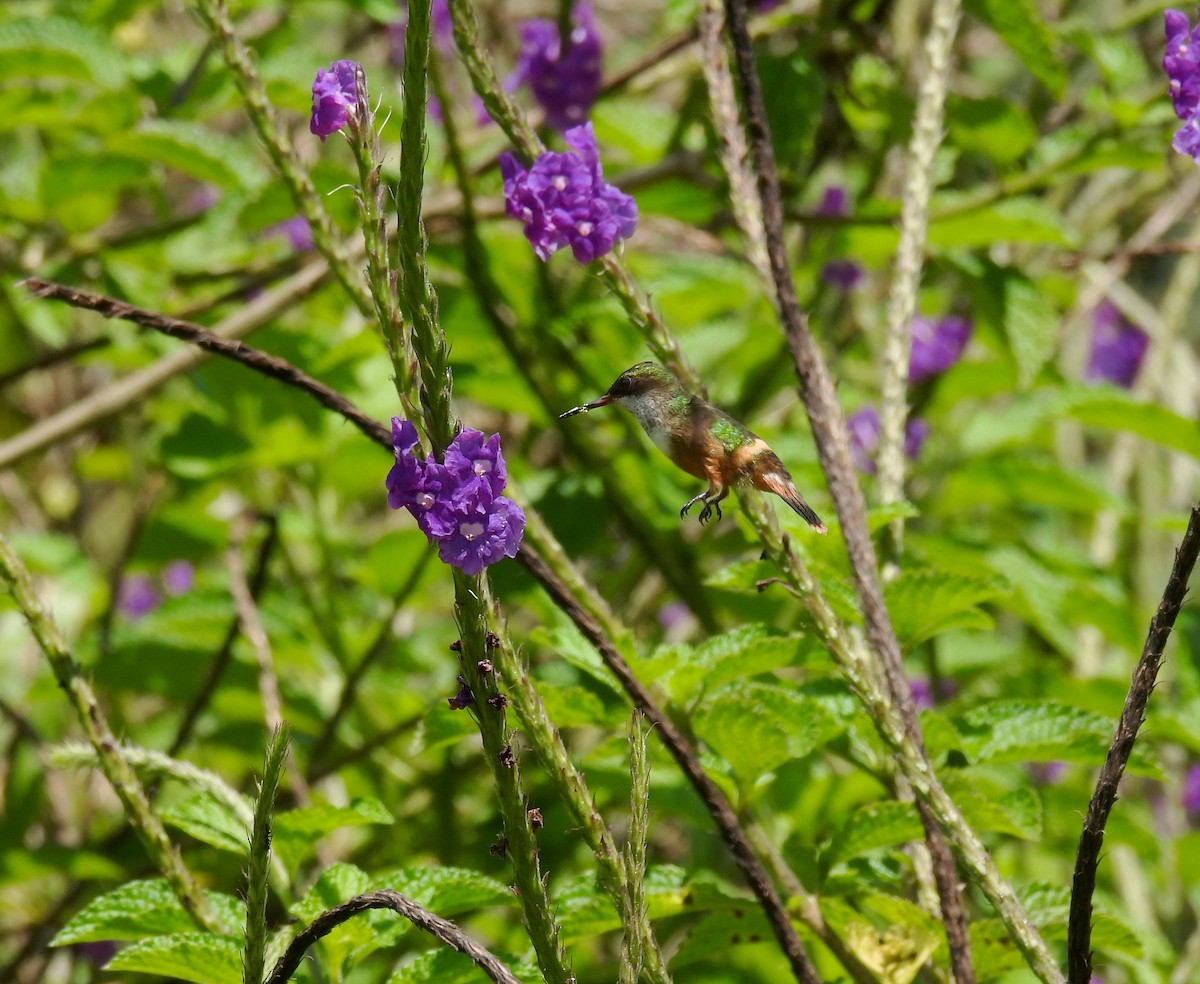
[(708, 510)]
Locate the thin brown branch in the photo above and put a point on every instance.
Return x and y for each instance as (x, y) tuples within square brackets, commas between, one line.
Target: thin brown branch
[(688, 761), (833, 449), (436, 926), (1079, 928)]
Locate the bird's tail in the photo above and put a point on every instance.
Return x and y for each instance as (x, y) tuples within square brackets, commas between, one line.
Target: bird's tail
[(771, 476)]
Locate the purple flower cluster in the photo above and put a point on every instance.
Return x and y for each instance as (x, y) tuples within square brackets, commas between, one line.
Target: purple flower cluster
[(1181, 62), (864, 430), (457, 503), (844, 275), (563, 200), (334, 98), (1118, 348), (139, 594), (1190, 797), (565, 84), (936, 345)]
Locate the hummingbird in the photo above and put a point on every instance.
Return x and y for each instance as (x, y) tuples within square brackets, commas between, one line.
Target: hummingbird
[(701, 439)]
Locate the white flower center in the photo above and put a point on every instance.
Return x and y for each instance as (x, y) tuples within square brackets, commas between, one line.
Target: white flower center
[(559, 181), (481, 466), (424, 500), (584, 228), (470, 531)]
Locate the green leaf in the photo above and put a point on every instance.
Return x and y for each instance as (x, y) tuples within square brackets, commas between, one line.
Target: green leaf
[(445, 966), (1014, 220), (195, 150), (56, 47), (1024, 29), (1116, 409), (889, 934), (199, 957), (756, 727), (926, 602), (871, 827), (297, 830), (210, 821), (446, 891), (1026, 731), (356, 937), (716, 932), (994, 127), (687, 672), (1031, 323), (143, 908)]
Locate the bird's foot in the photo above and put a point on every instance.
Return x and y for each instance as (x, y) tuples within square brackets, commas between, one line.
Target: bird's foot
[(708, 510), (691, 502)]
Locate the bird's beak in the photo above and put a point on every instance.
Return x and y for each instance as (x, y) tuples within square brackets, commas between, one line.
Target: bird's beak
[(604, 401)]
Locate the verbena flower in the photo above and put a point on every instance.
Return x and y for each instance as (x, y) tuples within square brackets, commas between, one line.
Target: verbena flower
[(334, 97), (936, 345), (295, 230), (833, 202), (565, 84), (137, 596), (563, 200), (1046, 773), (1181, 62), (178, 578), (923, 695), (457, 504), (844, 275), (864, 427), (1118, 348), (1190, 796)]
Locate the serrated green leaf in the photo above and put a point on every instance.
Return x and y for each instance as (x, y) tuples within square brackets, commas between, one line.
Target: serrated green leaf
[(1027, 731), (924, 602), (444, 966), (756, 727), (1024, 29), (446, 891), (1031, 323), (210, 821), (1013, 220), (202, 958), (1115, 409), (144, 908), (871, 827), (356, 937), (687, 672), (59, 48), (191, 149), (717, 932), (295, 831)]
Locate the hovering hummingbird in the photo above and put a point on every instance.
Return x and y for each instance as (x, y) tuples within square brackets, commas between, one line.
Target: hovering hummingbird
[(700, 439)]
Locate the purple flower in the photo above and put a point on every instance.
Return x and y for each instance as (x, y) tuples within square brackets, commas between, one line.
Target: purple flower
[(295, 230), (845, 275), (922, 691), (565, 84), (673, 614), (563, 200), (334, 97), (464, 698), (483, 529), (178, 578), (834, 202), (136, 596), (1046, 773), (1118, 348), (457, 504), (1181, 62), (1190, 797), (936, 345), (864, 429)]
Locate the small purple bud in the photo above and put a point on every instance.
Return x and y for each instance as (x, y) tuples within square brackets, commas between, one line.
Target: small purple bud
[(1118, 348), (844, 275), (295, 230), (834, 202), (136, 596), (178, 578), (334, 98), (463, 699)]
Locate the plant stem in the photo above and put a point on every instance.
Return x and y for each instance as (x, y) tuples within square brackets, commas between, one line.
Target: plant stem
[(1133, 713), (279, 148), (254, 956), (164, 855), (634, 901), (910, 254)]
